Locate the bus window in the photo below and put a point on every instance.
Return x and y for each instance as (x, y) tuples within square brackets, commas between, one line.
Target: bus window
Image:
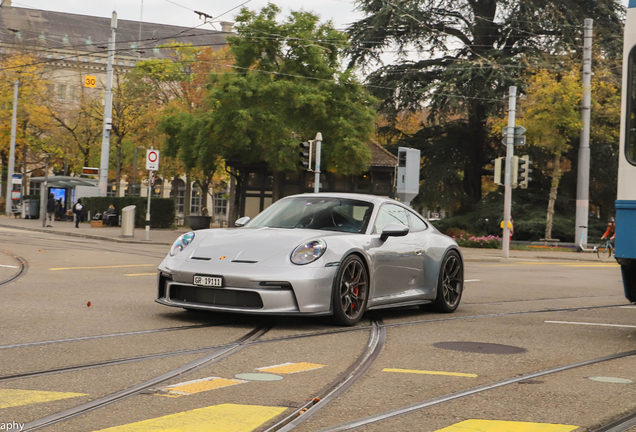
[(630, 144)]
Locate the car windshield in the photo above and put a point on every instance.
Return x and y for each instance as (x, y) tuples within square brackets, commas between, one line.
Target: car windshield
[(330, 214)]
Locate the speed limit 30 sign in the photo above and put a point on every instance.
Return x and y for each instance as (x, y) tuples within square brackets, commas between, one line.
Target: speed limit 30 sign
[(90, 81), (152, 160)]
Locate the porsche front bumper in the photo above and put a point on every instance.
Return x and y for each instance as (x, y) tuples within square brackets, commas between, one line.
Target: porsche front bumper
[(247, 288)]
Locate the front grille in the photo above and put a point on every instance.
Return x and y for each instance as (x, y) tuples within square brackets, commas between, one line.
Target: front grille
[(215, 296)]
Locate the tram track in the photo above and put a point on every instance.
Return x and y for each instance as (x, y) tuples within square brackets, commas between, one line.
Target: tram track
[(210, 358), (386, 415), (23, 267)]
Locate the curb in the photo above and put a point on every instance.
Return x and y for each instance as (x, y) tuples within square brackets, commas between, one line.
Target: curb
[(86, 236)]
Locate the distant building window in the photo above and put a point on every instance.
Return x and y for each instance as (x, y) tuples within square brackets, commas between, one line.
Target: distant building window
[(34, 188), (195, 201), (89, 41), (97, 61), (110, 192), (73, 92), (61, 92), (220, 205), (85, 60)]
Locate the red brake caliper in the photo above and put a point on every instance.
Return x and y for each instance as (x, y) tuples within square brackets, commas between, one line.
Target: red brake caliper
[(355, 293)]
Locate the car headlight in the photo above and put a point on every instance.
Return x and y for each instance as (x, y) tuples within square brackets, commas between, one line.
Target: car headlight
[(308, 252), (181, 243)]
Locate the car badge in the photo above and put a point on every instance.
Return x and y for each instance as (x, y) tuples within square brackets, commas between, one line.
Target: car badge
[(223, 257)]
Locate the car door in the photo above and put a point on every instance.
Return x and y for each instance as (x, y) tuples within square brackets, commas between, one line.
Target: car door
[(420, 229), (397, 264)]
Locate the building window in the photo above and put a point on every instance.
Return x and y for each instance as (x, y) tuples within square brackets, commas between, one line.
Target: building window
[(220, 205), (363, 183), (73, 93), (178, 190), (61, 91), (110, 191), (195, 201), (34, 188)]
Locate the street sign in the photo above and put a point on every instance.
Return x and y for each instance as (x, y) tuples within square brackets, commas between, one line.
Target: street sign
[(90, 81), (90, 171), (17, 179), (152, 160), (16, 195), (519, 130), (519, 140), (152, 178)]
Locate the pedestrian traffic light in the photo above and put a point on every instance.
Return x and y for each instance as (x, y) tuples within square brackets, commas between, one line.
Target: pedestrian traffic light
[(524, 171), (305, 154), (497, 165)]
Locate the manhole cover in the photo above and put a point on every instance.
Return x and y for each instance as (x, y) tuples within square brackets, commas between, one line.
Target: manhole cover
[(479, 347)]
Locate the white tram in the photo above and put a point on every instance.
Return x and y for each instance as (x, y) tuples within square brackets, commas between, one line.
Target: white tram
[(626, 199)]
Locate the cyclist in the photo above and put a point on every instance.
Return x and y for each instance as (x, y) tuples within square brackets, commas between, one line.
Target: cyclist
[(611, 230)]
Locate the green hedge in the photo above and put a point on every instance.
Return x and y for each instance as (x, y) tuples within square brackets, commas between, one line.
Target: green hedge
[(162, 212)]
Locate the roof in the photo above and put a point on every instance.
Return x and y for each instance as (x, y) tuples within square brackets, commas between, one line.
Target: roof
[(65, 181), (381, 156), (83, 33)]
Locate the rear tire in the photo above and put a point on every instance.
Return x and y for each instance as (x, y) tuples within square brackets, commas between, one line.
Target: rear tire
[(450, 284), (604, 252), (350, 291)]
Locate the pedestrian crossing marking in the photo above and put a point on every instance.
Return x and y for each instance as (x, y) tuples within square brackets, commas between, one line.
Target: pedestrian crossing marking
[(290, 368), (216, 418), (198, 386), (423, 372), (14, 397), (506, 426)]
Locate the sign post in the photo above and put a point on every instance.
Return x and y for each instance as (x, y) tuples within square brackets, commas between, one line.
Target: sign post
[(152, 165)]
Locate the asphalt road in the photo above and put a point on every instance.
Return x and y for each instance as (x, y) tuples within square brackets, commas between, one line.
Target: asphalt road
[(80, 325)]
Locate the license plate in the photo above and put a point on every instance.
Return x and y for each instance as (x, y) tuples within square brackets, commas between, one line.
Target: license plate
[(212, 281)]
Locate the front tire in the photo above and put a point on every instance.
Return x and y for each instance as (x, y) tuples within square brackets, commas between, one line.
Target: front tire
[(450, 284), (350, 291)]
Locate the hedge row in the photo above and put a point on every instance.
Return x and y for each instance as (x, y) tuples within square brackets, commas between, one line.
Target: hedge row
[(162, 211)]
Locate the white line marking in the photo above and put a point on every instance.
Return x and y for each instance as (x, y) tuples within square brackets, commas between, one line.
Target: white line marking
[(628, 307), (591, 324), (472, 280), (8, 266)]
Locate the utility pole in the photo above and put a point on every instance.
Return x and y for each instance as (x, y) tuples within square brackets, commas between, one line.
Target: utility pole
[(512, 107), (14, 126), (44, 192), (108, 110), (318, 142), (135, 174), (583, 173)]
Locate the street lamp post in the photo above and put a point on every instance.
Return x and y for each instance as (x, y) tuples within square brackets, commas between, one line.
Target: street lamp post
[(45, 192)]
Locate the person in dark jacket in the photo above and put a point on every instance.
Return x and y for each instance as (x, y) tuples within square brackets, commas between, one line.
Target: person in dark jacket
[(77, 209), (59, 209), (50, 209)]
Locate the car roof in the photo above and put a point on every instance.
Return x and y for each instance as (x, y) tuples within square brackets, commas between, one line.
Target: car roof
[(360, 197)]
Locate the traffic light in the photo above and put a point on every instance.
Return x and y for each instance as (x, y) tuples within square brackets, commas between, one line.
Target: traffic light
[(497, 165), (305, 154), (514, 178), (524, 171)]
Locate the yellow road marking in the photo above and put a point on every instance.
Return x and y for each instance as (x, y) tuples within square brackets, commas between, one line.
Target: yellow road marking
[(423, 372), (141, 274), (290, 368), (198, 386), (103, 267), (14, 397), (217, 418), (506, 426)]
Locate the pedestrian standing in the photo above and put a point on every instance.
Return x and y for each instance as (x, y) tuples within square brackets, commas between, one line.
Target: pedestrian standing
[(77, 209), (50, 209)]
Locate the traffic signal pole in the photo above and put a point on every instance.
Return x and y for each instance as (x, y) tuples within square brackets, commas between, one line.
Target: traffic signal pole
[(512, 107), (583, 172), (318, 142), (14, 125), (108, 110)]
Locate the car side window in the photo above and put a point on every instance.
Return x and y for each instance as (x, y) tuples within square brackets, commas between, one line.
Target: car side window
[(388, 214), (417, 224)]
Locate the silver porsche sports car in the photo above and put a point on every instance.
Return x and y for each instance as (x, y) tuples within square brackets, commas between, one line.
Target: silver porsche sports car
[(316, 254)]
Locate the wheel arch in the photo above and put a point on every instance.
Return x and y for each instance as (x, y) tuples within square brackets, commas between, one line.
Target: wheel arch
[(453, 248)]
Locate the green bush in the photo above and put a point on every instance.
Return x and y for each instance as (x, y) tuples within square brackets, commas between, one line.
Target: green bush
[(528, 213), (162, 212)]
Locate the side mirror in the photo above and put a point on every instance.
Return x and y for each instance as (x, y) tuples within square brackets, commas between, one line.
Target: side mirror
[(242, 221), (394, 230)]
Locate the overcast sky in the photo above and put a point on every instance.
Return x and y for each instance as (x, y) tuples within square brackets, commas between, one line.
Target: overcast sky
[(180, 12)]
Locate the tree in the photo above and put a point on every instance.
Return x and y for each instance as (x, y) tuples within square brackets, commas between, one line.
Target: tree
[(468, 53), (553, 121), (287, 86)]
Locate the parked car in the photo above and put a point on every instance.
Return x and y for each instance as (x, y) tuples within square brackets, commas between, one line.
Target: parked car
[(316, 254)]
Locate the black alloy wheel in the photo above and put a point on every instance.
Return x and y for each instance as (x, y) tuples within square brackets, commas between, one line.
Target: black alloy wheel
[(350, 291), (451, 283)]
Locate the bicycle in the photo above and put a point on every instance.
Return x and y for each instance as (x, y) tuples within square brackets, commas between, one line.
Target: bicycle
[(605, 251)]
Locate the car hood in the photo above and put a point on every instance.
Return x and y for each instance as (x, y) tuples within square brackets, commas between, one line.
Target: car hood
[(253, 245)]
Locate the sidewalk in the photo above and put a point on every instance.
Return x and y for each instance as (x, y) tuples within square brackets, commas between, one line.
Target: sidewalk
[(157, 236), (168, 236)]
